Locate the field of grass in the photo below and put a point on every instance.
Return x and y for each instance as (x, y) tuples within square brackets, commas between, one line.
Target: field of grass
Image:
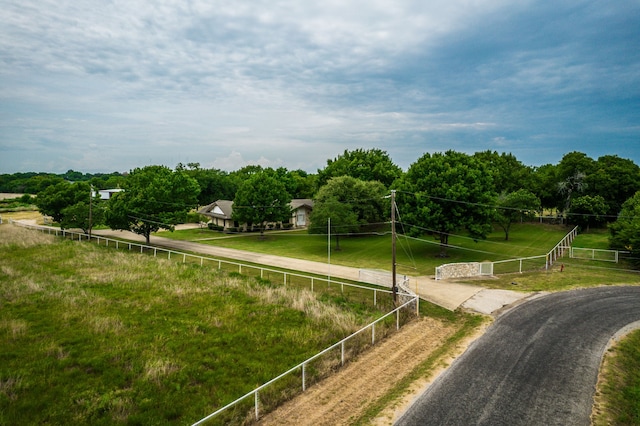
[(414, 256), (90, 335)]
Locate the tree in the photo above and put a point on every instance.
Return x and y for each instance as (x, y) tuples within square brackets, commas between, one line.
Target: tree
[(572, 172), (587, 211), (351, 203), (569, 188), (625, 232), (369, 165), (261, 199), (513, 174), (84, 215), (545, 186), (444, 193), (615, 179), (335, 217), (514, 206), (55, 198), (214, 184), (154, 198)]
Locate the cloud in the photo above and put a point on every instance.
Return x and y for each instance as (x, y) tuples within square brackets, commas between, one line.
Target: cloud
[(295, 83)]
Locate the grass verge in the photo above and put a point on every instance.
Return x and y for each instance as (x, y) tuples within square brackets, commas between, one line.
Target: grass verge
[(619, 388)]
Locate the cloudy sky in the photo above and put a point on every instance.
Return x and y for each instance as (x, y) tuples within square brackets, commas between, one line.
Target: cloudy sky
[(109, 85)]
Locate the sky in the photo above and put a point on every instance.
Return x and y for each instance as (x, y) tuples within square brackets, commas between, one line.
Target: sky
[(101, 86)]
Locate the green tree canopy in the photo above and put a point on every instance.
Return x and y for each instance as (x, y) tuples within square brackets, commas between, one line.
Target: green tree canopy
[(57, 197), (515, 206), (615, 179), (367, 165), (545, 186), (214, 184), (625, 232), (84, 215), (572, 173), (513, 174), (351, 203), (588, 211), (444, 193), (261, 199), (334, 217), (154, 198)]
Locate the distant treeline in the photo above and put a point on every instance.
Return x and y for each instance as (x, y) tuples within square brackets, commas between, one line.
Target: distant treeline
[(606, 182), (34, 182)]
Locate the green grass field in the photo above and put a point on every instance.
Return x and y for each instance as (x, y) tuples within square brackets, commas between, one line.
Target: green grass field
[(415, 256), (90, 335), (419, 257)]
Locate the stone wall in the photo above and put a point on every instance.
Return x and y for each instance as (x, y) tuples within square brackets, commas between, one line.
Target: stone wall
[(458, 270)]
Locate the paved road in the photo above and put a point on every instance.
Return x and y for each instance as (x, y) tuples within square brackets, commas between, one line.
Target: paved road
[(536, 365)]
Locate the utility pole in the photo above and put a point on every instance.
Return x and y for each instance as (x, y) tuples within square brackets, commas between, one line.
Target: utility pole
[(393, 245), (90, 208), (329, 250)]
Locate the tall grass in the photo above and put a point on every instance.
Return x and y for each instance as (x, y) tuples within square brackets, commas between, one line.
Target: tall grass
[(90, 335)]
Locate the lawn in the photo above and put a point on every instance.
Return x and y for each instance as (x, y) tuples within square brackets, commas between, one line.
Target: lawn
[(414, 256), (90, 335)]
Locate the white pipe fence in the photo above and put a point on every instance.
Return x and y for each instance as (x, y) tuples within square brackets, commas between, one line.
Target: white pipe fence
[(521, 264), (559, 249), (286, 276), (595, 254), (302, 366)]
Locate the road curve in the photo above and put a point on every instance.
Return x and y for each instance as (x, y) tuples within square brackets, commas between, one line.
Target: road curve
[(536, 365)]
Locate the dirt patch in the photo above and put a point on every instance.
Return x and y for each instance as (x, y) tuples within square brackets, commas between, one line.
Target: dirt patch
[(346, 395), (30, 215), (9, 195)]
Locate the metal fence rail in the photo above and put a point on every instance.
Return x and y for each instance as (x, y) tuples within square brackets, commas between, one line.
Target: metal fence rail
[(241, 268), (302, 366), (594, 254)]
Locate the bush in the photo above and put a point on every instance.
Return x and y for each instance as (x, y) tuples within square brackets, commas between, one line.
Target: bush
[(215, 227), (193, 217)]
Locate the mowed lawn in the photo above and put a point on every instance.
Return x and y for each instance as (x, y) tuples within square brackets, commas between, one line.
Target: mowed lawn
[(415, 256), (90, 335), (420, 256)]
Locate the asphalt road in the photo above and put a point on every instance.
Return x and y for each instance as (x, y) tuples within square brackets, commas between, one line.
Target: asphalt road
[(536, 365)]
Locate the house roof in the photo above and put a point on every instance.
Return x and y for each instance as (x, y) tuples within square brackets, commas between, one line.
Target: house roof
[(301, 202), (221, 208)]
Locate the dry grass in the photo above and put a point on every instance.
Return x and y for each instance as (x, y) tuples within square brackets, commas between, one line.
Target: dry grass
[(22, 237), (14, 328), (159, 368), (30, 215)]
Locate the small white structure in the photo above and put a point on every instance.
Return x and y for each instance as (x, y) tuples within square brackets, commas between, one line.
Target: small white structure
[(106, 194)]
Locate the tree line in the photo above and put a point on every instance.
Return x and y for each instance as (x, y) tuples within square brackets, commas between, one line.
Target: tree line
[(439, 194)]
